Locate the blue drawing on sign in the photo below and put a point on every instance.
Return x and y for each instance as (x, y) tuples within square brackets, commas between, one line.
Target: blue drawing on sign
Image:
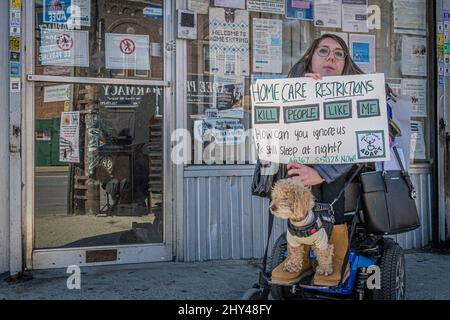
[(361, 52)]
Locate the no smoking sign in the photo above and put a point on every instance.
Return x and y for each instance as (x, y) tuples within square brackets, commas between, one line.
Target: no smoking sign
[(65, 42)]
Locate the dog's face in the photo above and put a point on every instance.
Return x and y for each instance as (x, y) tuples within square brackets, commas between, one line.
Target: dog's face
[(291, 200)]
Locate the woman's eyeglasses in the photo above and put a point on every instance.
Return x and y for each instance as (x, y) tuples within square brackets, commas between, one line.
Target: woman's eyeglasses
[(339, 54)]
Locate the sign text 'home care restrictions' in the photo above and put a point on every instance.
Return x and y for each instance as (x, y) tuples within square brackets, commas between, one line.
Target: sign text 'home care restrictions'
[(334, 120)]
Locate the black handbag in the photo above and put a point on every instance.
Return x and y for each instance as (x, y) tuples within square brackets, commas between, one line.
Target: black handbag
[(265, 176), (389, 201)]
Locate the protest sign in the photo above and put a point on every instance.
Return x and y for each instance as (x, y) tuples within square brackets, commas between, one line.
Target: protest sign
[(334, 120)]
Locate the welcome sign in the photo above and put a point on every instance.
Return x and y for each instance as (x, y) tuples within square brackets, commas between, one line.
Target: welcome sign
[(334, 120)]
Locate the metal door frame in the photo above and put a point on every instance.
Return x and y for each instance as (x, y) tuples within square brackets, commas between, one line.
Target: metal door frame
[(139, 253)]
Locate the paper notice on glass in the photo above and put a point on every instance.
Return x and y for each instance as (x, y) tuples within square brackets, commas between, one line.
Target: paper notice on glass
[(199, 6), (69, 137), (417, 90), (417, 150), (58, 93), (362, 51), (221, 131), (269, 6), (229, 93), (237, 4), (342, 35), (73, 13), (267, 45), (229, 42), (127, 51), (414, 56), (354, 16), (410, 16), (300, 9), (327, 13), (64, 48)]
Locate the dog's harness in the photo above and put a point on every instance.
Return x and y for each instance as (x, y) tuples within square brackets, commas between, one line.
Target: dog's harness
[(323, 218)]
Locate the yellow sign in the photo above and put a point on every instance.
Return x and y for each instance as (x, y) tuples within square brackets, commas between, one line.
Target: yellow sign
[(16, 4), (14, 43), (66, 106), (440, 38)]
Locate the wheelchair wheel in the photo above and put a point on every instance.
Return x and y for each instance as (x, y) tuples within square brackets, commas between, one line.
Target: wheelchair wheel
[(392, 267), (279, 292)]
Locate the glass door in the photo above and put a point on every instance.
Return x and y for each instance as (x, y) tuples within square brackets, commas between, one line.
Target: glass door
[(99, 104)]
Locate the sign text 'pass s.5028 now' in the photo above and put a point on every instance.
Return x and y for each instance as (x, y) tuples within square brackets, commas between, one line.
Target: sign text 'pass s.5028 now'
[(341, 119)]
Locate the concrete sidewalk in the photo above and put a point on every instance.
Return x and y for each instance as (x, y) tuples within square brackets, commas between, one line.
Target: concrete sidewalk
[(426, 273)]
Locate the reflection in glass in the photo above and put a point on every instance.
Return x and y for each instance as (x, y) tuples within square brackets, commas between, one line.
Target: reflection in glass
[(98, 165)]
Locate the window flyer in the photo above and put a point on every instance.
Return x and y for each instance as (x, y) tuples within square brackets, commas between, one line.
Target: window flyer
[(269, 6), (236, 4), (327, 13), (229, 96), (267, 45), (410, 16), (69, 137), (414, 56), (64, 48), (127, 51), (362, 51), (300, 9), (417, 150), (417, 90), (199, 6), (229, 42), (354, 16), (69, 12)]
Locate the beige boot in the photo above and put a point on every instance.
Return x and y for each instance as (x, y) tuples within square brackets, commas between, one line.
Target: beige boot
[(283, 277), (339, 238)]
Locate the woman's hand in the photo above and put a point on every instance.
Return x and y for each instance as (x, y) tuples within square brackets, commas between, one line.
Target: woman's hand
[(307, 175), (315, 76)]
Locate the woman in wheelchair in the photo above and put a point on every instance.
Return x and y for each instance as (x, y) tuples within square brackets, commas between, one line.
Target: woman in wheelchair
[(327, 56)]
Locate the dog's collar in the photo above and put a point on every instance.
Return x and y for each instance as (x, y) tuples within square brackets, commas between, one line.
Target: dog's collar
[(306, 231)]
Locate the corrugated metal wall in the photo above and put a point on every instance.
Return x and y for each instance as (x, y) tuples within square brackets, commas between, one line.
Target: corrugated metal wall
[(224, 221)]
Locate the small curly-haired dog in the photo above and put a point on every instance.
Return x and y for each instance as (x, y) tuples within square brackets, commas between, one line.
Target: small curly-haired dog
[(294, 201)]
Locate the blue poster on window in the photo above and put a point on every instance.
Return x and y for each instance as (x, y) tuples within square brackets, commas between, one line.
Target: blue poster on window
[(300, 9), (361, 52), (71, 12)]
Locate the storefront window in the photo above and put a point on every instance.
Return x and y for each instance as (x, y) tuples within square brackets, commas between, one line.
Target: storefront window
[(99, 38), (239, 41), (98, 146)]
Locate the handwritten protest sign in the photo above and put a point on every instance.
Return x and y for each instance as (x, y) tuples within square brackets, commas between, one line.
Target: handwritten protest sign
[(335, 120)]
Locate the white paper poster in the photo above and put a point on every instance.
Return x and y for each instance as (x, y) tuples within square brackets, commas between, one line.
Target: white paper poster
[(73, 13), (335, 120), (58, 93), (69, 137), (342, 35), (414, 56), (417, 90), (417, 150), (127, 51), (199, 6), (237, 4), (327, 13), (229, 42), (64, 48), (229, 96), (222, 131), (354, 16), (269, 6), (410, 16), (267, 45), (362, 51)]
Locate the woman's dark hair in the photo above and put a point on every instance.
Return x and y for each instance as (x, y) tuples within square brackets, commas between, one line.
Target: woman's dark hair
[(304, 64)]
